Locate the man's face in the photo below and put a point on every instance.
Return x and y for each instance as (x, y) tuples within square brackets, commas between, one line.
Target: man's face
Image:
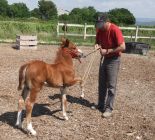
[(104, 28)]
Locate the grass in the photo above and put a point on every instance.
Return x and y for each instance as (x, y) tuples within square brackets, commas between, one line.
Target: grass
[(46, 32)]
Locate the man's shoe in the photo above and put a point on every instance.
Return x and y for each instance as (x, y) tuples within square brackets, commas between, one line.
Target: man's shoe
[(107, 114)]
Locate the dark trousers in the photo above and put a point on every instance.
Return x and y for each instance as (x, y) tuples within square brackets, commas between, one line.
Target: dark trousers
[(108, 73)]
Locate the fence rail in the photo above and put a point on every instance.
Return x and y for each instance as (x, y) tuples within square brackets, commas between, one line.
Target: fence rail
[(85, 34)]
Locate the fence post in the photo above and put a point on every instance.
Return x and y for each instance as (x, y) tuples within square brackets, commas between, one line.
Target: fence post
[(136, 36), (131, 37), (150, 40), (58, 29), (85, 31)]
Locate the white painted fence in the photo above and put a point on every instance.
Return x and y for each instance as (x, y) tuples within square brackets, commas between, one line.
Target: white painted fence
[(85, 35)]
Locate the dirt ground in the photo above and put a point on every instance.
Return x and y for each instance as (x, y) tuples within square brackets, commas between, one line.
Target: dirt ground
[(133, 117)]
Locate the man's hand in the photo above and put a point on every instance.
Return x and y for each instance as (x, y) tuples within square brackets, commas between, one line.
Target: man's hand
[(97, 47), (103, 51)]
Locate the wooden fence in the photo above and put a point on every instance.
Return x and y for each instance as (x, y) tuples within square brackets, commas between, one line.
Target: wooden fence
[(85, 34)]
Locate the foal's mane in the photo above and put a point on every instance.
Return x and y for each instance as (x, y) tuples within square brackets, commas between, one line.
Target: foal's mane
[(61, 57)]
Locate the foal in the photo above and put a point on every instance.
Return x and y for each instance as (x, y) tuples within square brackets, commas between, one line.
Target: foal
[(34, 74)]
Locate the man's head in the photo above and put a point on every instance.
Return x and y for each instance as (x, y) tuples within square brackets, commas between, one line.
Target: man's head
[(102, 21)]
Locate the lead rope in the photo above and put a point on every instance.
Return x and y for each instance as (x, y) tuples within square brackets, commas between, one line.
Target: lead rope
[(86, 74)]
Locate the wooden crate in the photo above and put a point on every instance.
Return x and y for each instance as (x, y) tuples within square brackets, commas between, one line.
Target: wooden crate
[(26, 42)]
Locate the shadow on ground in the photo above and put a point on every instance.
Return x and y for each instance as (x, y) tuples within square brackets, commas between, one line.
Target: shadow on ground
[(72, 99), (41, 109), (38, 110)]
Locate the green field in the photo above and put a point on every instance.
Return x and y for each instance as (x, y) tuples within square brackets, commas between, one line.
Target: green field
[(46, 32)]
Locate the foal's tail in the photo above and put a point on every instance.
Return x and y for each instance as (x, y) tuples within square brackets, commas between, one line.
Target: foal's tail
[(22, 71)]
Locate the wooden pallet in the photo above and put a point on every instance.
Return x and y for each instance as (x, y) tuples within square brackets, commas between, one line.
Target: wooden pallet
[(26, 42)]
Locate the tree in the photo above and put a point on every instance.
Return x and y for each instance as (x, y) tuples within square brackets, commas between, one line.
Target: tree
[(63, 17), (75, 16), (47, 10), (3, 7), (18, 10), (35, 13), (89, 15), (121, 16), (80, 15), (83, 15)]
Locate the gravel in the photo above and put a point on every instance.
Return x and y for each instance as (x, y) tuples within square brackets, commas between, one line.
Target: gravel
[(133, 116)]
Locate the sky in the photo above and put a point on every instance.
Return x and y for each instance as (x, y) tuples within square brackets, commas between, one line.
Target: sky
[(140, 8)]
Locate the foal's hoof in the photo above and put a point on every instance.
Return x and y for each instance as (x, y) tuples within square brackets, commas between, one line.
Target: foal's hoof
[(82, 96), (32, 132), (19, 125), (66, 118)]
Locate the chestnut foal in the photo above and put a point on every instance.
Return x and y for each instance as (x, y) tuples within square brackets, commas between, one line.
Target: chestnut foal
[(34, 74)]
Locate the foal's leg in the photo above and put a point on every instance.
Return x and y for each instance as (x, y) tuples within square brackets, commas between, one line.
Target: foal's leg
[(82, 89), (29, 106), (80, 81), (19, 114), (64, 102), (21, 103)]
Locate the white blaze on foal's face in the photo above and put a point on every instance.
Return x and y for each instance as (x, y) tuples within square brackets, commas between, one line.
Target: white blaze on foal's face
[(80, 53)]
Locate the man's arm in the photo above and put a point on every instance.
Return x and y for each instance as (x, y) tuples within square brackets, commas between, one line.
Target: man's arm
[(118, 38), (120, 48)]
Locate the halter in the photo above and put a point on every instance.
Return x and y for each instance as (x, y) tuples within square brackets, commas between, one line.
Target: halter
[(72, 53), (69, 51)]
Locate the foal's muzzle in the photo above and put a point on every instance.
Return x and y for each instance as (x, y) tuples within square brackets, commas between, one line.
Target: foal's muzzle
[(80, 53)]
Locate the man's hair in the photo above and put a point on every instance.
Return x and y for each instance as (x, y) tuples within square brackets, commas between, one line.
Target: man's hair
[(103, 17)]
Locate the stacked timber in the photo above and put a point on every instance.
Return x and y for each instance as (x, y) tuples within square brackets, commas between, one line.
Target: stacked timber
[(26, 42)]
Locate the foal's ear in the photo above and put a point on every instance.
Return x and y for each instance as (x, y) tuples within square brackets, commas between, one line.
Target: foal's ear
[(67, 43), (63, 40)]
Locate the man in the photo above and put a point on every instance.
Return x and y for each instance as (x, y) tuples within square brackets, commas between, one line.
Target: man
[(110, 42)]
